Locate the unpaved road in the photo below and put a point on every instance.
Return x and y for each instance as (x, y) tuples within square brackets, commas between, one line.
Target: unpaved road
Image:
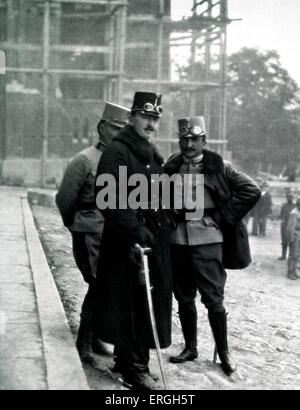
[(263, 321)]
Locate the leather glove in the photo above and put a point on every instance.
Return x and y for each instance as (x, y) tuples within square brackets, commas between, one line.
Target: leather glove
[(142, 236)]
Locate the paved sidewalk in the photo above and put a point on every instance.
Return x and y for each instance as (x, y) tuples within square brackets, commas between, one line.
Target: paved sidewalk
[(37, 351)]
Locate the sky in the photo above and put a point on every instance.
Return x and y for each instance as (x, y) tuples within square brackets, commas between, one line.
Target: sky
[(265, 24)]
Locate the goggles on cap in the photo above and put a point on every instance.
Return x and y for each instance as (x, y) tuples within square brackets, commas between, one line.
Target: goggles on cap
[(195, 130), (149, 107)]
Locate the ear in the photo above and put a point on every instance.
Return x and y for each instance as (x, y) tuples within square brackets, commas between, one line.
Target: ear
[(130, 119), (100, 127)]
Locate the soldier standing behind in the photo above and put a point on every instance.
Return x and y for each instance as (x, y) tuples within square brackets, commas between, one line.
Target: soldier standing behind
[(203, 247), (76, 202), (284, 216)]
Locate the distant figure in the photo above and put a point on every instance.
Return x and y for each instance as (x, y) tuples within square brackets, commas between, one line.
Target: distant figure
[(293, 235), (261, 211), (290, 172), (285, 211)]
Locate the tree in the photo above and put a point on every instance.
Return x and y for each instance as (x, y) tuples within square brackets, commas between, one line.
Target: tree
[(262, 111)]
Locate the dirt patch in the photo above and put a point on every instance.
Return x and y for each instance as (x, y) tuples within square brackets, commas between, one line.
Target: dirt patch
[(263, 321)]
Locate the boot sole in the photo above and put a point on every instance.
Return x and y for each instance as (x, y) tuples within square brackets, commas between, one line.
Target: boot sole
[(190, 359)]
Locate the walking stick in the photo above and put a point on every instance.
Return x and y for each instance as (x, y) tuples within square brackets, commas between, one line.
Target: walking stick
[(144, 252)]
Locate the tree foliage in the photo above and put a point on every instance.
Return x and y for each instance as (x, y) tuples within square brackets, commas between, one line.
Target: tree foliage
[(263, 112)]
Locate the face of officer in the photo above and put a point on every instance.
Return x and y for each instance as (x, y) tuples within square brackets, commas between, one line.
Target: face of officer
[(289, 198), (145, 125), (192, 146), (108, 132)]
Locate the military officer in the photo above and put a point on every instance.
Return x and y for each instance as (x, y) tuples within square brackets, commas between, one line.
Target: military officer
[(207, 242), (76, 202), (123, 316)]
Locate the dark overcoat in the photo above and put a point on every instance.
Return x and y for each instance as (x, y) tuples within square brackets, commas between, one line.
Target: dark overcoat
[(234, 194), (122, 315), (263, 207)]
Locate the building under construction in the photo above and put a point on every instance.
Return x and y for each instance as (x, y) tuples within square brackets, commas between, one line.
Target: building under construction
[(65, 58)]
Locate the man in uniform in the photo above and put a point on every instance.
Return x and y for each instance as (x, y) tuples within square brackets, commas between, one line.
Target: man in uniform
[(284, 216), (123, 316), (203, 246), (261, 211), (293, 237), (76, 202)]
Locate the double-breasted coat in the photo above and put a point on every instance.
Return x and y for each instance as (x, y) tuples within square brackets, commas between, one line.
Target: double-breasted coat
[(122, 315)]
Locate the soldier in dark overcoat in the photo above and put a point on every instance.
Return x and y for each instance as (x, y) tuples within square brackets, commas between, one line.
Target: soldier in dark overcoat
[(261, 211), (285, 211), (203, 244), (122, 316), (76, 202)]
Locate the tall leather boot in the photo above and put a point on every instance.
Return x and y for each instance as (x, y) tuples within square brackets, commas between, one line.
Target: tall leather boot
[(283, 254), (291, 270), (87, 342), (85, 338), (218, 323), (188, 320), (292, 261)]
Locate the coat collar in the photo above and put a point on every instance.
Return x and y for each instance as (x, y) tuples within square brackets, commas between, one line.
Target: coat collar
[(144, 150), (212, 163)]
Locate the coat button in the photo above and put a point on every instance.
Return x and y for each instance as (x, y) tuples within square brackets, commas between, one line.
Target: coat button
[(148, 166)]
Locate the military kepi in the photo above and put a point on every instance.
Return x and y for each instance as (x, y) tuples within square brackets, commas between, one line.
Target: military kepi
[(115, 114), (191, 127), (147, 103)]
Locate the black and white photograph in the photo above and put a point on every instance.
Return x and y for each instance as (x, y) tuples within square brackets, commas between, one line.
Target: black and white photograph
[(149, 197)]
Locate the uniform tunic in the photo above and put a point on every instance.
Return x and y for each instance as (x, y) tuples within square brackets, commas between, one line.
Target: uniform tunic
[(76, 202)]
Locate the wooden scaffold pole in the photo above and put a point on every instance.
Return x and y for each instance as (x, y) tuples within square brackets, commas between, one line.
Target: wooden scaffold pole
[(46, 47), (223, 76), (207, 93), (160, 35), (121, 51)]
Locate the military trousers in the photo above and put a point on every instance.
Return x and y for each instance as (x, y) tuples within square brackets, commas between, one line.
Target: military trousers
[(86, 250), (294, 254), (199, 268)]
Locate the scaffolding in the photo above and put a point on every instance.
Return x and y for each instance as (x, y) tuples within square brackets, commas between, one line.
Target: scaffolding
[(205, 34), (134, 52)]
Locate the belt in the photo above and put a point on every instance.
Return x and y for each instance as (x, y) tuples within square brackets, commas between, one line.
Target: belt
[(206, 212), (86, 206)]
